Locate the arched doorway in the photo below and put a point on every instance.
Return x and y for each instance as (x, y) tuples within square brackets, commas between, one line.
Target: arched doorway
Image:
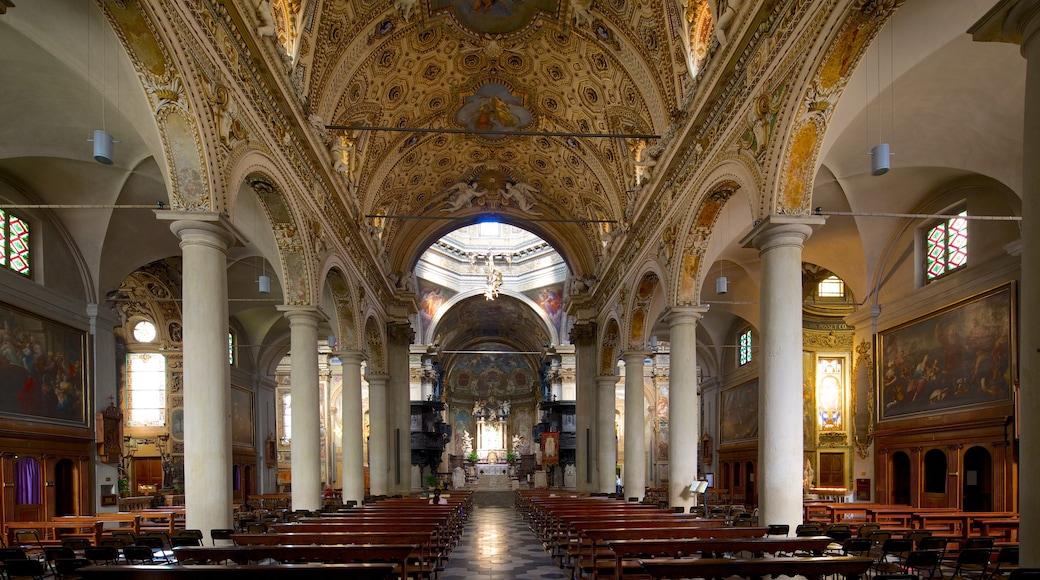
[(978, 480), (65, 488), (900, 478)]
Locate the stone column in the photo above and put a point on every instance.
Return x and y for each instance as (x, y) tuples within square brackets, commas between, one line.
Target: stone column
[(606, 433), (683, 406), (306, 410), (353, 465), (1018, 21), (583, 336), (399, 336), (205, 238), (635, 437), (779, 240)]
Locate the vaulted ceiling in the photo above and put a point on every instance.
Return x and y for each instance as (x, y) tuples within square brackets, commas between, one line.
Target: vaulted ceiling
[(475, 69)]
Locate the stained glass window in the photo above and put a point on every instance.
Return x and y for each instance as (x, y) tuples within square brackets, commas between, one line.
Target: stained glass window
[(146, 390), (14, 239), (947, 245), (745, 347), (231, 348)]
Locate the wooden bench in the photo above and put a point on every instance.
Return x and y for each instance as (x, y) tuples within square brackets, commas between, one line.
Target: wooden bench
[(811, 567), (249, 572), (342, 554), (422, 561), (627, 552), (112, 521)]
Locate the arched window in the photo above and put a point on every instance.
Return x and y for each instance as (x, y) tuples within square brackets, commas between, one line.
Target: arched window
[(27, 481), (14, 237)]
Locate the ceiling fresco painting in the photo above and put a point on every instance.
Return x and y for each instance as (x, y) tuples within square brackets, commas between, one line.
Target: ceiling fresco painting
[(492, 376), (495, 16), (493, 108)]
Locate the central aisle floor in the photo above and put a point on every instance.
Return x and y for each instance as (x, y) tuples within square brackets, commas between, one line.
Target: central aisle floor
[(498, 545)]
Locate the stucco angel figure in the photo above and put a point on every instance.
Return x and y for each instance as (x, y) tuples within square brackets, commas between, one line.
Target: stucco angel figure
[(462, 194), (467, 442), (522, 194)]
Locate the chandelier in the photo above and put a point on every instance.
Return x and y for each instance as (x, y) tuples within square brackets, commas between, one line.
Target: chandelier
[(494, 279)]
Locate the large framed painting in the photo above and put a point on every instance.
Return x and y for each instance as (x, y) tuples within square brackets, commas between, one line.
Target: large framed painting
[(740, 413), (241, 416), (42, 369), (958, 357)]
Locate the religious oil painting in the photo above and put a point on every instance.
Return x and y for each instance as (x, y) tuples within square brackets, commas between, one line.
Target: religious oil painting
[(42, 374), (493, 108), (740, 413), (958, 357)]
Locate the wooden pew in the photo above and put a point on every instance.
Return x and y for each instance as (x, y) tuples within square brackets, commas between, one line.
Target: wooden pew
[(50, 532), (424, 558), (812, 567), (628, 551), (247, 572), (340, 554), (112, 521)]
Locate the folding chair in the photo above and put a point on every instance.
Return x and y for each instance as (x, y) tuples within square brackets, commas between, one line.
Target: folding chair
[(778, 530), (65, 568), (223, 534), (893, 552), (153, 543), (29, 541), (972, 563), (16, 569), (921, 561), (52, 553), (184, 541), (101, 555), (1007, 562), (138, 555)]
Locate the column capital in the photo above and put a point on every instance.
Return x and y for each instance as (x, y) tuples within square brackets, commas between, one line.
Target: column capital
[(302, 314), (604, 380), (377, 378), (781, 230), (583, 333), (680, 315), (634, 355), (195, 226), (399, 333), (1011, 21), (353, 357)]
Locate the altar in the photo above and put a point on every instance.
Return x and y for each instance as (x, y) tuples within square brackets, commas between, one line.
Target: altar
[(492, 469)]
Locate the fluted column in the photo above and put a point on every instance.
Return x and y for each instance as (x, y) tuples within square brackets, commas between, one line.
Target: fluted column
[(205, 239), (306, 410), (399, 337), (635, 437), (606, 433), (352, 438), (378, 464), (1018, 21), (683, 406), (583, 337), (779, 241)]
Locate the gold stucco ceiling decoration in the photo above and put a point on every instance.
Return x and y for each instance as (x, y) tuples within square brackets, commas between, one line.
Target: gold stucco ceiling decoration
[(564, 67)]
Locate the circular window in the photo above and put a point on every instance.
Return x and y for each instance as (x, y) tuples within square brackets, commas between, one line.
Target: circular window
[(144, 331)]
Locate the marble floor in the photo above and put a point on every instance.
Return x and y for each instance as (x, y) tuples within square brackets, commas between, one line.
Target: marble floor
[(498, 545)]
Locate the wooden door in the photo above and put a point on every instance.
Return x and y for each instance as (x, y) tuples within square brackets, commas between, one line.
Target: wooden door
[(832, 470), (147, 472)]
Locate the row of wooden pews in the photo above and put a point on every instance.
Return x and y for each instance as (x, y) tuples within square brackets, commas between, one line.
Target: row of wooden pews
[(409, 533), (596, 536)]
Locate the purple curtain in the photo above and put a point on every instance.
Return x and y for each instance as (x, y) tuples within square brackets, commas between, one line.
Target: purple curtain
[(27, 482)]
